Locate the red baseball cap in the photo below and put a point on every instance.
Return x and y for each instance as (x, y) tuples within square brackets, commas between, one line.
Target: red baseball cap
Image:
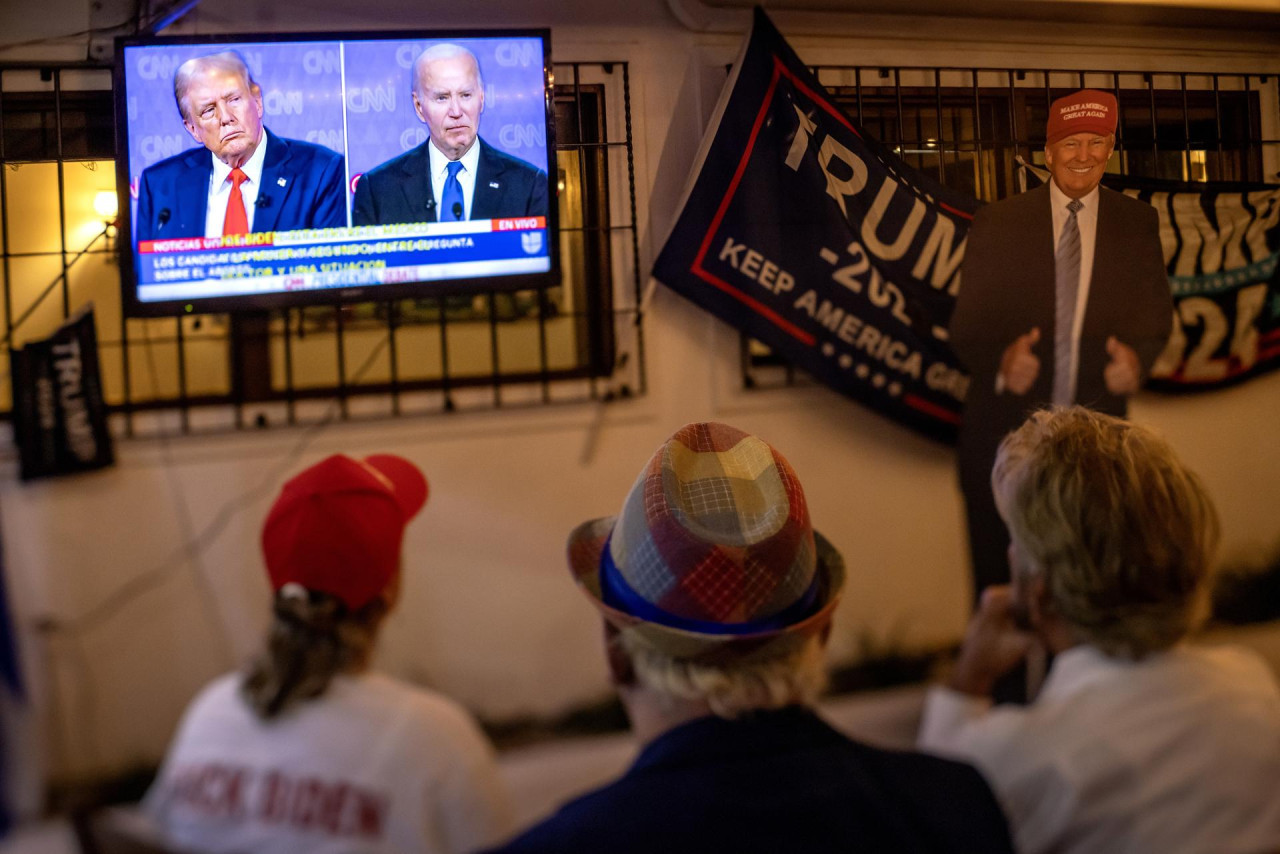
[(1086, 111), (337, 527)]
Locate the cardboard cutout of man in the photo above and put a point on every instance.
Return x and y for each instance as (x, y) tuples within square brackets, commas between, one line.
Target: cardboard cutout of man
[(455, 175), (245, 179), (1054, 306)]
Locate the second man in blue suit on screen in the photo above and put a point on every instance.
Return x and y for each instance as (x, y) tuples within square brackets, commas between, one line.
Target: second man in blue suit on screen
[(455, 175), (245, 179)]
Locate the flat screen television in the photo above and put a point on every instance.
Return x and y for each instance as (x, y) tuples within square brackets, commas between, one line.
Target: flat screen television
[(345, 146)]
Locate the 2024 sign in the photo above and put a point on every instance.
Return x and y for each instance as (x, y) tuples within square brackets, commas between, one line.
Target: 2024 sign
[(1205, 360)]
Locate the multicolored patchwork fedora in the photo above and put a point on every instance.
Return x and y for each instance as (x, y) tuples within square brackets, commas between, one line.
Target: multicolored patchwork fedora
[(713, 555)]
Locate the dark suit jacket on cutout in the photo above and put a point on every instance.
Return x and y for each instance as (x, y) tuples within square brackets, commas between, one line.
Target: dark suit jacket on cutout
[(303, 186), (400, 189), (1007, 288)]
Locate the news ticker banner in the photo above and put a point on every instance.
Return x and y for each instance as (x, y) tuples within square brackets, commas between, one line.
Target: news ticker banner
[(807, 234), (1222, 252), (351, 96), (312, 259), (59, 418)]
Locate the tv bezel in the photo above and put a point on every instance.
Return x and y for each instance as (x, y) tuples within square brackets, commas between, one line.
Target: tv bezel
[(504, 282)]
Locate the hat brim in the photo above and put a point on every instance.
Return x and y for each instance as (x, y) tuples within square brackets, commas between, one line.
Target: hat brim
[(587, 543), (408, 482)]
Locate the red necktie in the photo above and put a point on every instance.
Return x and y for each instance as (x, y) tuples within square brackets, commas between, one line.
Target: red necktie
[(237, 221)]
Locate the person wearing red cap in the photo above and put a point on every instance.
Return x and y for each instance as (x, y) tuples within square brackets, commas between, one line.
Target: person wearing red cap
[(717, 595), (308, 750), (1063, 299)]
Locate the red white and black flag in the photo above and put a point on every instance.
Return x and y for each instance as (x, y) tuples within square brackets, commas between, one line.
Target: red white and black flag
[(1222, 251), (815, 239)]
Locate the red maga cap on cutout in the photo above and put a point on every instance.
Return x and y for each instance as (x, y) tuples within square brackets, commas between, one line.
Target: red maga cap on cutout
[(1086, 111)]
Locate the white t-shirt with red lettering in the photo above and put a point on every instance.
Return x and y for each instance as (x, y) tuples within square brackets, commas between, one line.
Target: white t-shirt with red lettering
[(374, 765)]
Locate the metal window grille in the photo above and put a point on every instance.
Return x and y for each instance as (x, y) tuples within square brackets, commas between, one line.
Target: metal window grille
[(577, 341), (969, 127)]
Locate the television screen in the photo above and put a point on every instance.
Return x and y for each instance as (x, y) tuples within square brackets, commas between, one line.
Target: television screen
[(259, 172)]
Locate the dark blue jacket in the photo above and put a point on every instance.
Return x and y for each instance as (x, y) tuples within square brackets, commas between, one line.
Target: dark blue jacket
[(779, 782), (400, 189), (303, 186)]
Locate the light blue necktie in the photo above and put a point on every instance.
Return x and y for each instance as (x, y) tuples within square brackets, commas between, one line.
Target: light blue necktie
[(1066, 266), (452, 207)]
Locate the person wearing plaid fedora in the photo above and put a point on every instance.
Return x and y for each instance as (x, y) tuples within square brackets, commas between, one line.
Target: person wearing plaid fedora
[(1137, 742), (717, 596), (308, 750), (1063, 299)]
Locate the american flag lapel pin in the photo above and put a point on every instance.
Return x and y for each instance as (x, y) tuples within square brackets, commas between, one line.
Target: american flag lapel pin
[(282, 181), (494, 185)]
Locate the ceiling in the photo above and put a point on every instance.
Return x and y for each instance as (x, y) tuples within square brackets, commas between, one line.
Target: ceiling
[(1225, 14)]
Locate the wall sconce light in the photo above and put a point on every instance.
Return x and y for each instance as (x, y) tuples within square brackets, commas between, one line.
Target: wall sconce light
[(106, 205)]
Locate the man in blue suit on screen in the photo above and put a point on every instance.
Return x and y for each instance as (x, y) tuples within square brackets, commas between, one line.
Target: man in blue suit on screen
[(455, 175), (245, 179)]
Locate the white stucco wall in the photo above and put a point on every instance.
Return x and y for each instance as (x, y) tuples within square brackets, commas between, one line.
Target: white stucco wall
[(489, 614)]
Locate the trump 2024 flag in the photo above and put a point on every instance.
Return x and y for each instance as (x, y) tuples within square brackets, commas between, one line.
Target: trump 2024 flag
[(808, 235)]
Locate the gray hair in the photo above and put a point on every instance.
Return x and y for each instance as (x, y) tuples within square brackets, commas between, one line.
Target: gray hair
[(735, 688), (443, 50), (227, 60), (1123, 533), (312, 639)]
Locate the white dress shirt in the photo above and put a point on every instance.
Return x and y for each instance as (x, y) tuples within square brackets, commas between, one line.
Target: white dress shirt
[(1176, 754), (466, 176), (220, 189)]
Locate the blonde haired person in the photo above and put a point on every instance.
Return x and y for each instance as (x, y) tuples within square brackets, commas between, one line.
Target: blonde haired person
[(1138, 742), (717, 596), (309, 750)]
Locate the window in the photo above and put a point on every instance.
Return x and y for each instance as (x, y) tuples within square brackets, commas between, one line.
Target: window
[(372, 359), (969, 128)]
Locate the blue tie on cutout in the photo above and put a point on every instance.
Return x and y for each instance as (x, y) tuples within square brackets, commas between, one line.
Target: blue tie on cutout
[(452, 207)]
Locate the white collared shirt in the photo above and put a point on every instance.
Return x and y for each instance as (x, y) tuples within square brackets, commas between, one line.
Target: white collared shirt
[(1178, 753), (220, 189), (1087, 220), (466, 176)]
